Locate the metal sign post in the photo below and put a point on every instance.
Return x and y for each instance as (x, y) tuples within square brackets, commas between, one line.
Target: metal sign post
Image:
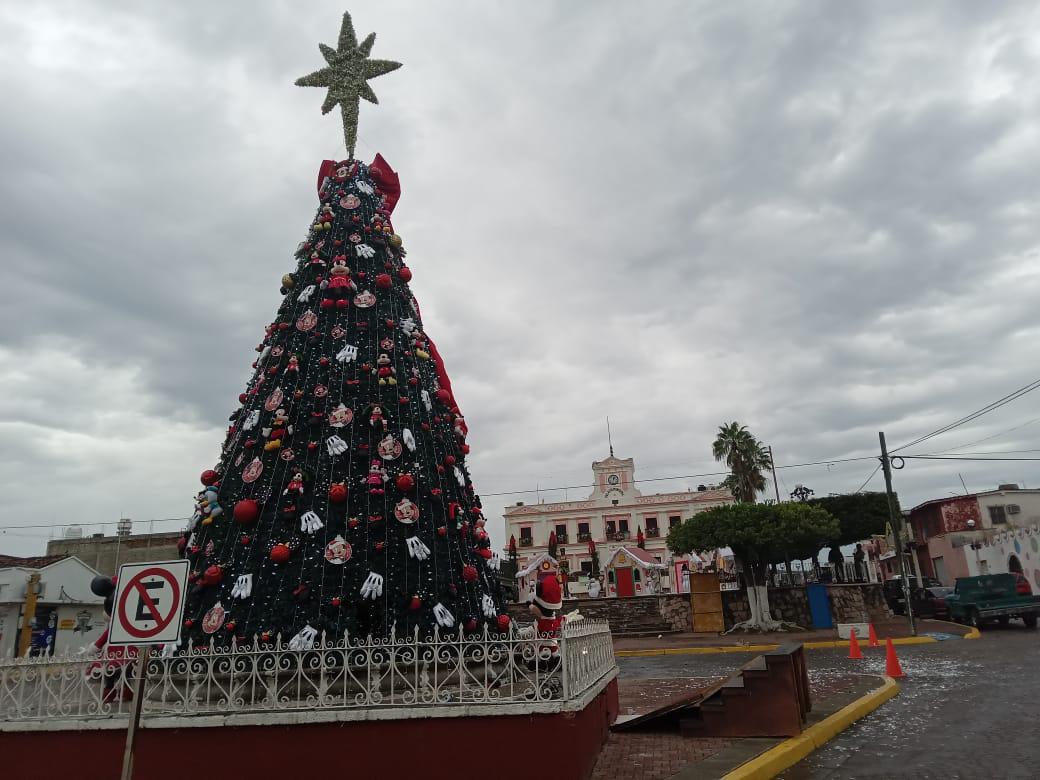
[(135, 718), (148, 610)]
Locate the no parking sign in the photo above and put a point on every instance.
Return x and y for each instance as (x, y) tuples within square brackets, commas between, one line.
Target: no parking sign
[(149, 603)]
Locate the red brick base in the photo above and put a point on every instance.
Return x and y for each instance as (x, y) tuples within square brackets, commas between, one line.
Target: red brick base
[(431, 748)]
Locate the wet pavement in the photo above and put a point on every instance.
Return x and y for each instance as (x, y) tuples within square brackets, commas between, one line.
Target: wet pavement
[(967, 709)]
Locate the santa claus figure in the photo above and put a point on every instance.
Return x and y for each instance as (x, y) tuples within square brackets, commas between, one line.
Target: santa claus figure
[(548, 601)]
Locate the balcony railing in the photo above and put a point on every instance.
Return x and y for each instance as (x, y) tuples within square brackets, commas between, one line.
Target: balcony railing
[(619, 536), (584, 536), (526, 541), (653, 533), (331, 674), (561, 538)]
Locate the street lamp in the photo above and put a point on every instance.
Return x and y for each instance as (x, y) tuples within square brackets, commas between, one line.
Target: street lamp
[(802, 493)]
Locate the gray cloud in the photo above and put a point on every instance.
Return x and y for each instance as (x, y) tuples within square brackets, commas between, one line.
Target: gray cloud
[(816, 218)]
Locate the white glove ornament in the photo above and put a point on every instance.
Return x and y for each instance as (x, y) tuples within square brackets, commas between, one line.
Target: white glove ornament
[(373, 587)]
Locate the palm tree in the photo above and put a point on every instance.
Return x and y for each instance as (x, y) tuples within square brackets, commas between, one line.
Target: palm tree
[(746, 458)]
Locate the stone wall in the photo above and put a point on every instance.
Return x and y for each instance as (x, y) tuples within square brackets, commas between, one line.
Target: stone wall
[(663, 612), (788, 604), (849, 604), (672, 611), (857, 603)]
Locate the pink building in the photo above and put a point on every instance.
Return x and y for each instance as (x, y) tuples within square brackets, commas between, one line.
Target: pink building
[(952, 537), (611, 517)]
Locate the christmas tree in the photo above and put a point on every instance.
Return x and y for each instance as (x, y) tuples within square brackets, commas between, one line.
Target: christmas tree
[(342, 501)]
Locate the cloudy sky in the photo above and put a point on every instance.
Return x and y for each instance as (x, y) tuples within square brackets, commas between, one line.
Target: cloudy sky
[(820, 219)]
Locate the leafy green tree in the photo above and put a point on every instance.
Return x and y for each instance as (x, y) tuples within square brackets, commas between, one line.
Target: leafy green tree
[(860, 515), (746, 458), (758, 534)]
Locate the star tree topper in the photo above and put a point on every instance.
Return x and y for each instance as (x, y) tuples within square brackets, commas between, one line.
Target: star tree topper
[(346, 77)]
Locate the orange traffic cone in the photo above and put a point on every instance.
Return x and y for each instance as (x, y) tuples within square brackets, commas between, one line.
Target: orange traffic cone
[(854, 651), (892, 667), (873, 636)]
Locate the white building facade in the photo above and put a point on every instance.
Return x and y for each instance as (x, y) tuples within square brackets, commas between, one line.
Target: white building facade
[(612, 517), (68, 615)]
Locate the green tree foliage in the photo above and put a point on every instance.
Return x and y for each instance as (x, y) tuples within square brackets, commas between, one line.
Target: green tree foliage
[(860, 515), (746, 458), (758, 534)]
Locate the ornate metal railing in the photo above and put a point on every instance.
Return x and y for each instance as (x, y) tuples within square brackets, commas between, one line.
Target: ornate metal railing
[(336, 673)]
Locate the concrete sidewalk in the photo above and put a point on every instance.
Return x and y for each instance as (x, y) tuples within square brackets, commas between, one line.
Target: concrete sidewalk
[(687, 642), (659, 753)]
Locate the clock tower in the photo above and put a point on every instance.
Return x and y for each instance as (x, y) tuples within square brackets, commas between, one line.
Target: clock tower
[(615, 479)]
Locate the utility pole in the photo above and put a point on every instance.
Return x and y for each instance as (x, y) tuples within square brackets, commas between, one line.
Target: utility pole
[(897, 527), (32, 585), (772, 467)]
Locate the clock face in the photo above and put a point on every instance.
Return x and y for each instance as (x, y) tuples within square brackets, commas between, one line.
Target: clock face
[(613, 479)]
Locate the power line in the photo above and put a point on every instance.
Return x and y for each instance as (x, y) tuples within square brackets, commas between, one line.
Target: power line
[(974, 415), (956, 457), (828, 461), (867, 480), (993, 436)]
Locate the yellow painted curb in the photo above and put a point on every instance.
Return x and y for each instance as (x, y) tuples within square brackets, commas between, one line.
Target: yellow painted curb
[(827, 644), (973, 633), (791, 751)]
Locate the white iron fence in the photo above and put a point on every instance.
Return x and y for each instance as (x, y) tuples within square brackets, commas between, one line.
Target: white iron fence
[(346, 673)]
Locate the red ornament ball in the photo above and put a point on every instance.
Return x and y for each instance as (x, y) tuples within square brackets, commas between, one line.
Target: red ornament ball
[(405, 274), (470, 625), (469, 573), (229, 626), (384, 282), (209, 477), (449, 460), (212, 575), (280, 553), (443, 396), (465, 449), (338, 493), (415, 603), (405, 482), (246, 511), (242, 398), (503, 622), (283, 326), (485, 553), (442, 531), (245, 539), (335, 601), (189, 623)]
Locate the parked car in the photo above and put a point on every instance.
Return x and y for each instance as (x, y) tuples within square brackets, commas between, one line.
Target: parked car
[(931, 602), (893, 591), (979, 601)]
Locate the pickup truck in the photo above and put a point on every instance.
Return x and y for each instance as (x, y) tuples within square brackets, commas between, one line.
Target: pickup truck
[(977, 601)]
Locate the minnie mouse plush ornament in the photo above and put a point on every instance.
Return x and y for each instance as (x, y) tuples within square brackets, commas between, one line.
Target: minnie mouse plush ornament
[(112, 659)]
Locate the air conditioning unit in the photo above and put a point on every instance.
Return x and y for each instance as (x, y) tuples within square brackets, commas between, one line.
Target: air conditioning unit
[(1012, 509)]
